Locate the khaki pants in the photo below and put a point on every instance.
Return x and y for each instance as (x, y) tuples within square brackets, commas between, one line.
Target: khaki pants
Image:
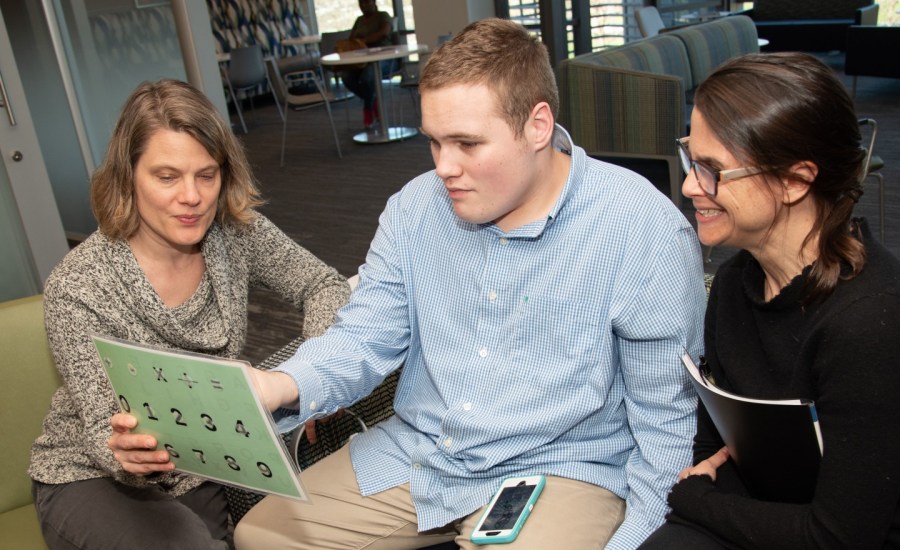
[(569, 514)]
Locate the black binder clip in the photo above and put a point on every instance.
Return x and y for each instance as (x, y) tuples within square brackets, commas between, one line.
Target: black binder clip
[(704, 367)]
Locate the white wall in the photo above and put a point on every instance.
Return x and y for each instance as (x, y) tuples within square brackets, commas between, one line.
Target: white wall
[(435, 18)]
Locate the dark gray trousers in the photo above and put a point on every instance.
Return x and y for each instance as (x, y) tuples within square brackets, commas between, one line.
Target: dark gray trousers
[(675, 536), (101, 514)]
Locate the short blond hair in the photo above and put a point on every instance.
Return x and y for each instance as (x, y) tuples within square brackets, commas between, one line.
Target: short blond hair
[(177, 106), (501, 55)]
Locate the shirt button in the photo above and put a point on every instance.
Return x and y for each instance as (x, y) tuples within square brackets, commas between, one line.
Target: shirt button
[(448, 442), (312, 405), (483, 352), (467, 407), (492, 296), (417, 466), (504, 241)]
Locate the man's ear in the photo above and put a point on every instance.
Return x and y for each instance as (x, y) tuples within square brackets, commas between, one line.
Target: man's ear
[(796, 185), (540, 126)]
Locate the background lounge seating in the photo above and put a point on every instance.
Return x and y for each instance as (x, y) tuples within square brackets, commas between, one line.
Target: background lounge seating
[(634, 100)]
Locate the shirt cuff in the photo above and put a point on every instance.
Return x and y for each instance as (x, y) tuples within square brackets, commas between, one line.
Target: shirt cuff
[(628, 536), (310, 390), (687, 496)]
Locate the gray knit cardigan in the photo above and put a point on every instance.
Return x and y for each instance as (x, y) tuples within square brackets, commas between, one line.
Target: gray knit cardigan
[(99, 287)]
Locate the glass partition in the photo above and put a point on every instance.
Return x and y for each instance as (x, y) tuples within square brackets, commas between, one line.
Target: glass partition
[(111, 46)]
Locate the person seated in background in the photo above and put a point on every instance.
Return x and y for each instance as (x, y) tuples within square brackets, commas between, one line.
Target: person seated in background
[(810, 308), (538, 301), (178, 246), (373, 28)]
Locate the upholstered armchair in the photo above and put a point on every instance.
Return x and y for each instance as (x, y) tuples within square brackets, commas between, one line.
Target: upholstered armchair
[(634, 101)]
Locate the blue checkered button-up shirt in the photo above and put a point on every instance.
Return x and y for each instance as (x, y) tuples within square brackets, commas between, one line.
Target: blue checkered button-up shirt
[(553, 348)]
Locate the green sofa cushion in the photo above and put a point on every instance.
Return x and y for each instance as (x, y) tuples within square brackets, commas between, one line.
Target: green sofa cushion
[(19, 529), (29, 380)]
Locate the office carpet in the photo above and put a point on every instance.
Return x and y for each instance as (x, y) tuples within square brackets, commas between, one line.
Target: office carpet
[(331, 205)]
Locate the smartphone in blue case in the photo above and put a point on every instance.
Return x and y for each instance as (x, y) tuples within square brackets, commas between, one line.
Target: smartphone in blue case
[(508, 510)]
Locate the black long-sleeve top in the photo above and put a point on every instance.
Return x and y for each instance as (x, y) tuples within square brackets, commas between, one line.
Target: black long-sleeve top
[(844, 353)]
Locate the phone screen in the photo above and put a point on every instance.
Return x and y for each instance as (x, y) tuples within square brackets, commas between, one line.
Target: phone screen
[(509, 506)]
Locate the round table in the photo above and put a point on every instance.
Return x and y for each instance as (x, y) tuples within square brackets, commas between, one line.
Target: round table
[(381, 133), (302, 40)]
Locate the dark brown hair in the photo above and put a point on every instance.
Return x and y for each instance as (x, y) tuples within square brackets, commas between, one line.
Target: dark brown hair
[(775, 110), (177, 106), (501, 55)]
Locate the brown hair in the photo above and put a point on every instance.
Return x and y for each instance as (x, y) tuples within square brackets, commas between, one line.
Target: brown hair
[(169, 105), (503, 56), (775, 110)]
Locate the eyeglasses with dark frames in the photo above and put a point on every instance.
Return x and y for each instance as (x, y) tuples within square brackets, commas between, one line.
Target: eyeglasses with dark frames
[(707, 178)]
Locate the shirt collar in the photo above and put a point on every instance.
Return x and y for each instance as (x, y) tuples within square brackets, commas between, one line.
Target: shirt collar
[(562, 142)]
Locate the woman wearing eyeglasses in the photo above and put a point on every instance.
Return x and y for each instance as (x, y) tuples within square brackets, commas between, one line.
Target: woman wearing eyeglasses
[(809, 308)]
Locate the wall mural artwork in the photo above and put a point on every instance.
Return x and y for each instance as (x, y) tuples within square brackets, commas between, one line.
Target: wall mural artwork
[(265, 22), (237, 23)]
